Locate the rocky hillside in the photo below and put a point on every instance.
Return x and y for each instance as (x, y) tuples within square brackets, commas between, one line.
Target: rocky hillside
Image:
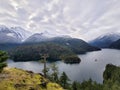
[(17, 79)]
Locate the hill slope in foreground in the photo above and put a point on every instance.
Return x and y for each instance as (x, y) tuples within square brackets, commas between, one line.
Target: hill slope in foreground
[(17, 79)]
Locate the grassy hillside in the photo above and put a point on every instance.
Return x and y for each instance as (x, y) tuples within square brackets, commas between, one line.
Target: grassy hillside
[(17, 79)]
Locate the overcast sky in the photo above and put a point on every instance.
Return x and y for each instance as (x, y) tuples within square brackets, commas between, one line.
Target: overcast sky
[(84, 19)]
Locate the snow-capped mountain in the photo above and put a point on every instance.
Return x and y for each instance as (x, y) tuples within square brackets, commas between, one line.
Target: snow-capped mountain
[(19, 35), (37, 37), (21, 32), (105, 41), (45, 36), (50, 34), (12, 35)]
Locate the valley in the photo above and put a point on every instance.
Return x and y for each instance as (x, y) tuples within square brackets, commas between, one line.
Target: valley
[(59, 45), (75, 58)]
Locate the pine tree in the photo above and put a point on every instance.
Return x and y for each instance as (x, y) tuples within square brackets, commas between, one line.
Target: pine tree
[(64, 80), (45, 70), (54, 75), (74, 86), (3, 58)]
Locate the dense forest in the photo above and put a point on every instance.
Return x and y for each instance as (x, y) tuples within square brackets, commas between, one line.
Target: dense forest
[(58, 48), (35, 51)]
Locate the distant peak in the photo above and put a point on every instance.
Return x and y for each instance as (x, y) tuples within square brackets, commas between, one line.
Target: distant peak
[(3, 27), (111, 33), (65, 36)]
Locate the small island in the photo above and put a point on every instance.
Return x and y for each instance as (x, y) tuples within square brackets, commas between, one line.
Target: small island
[(72, 60)]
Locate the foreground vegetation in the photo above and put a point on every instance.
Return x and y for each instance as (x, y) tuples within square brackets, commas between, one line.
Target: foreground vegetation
[(17, 79), (111, 80), (3, 58)]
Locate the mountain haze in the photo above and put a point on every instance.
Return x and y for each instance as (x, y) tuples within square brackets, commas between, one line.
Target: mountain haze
[(105, 41)]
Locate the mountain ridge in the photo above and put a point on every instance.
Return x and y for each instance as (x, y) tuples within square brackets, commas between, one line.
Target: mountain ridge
[(105, 41), (115, 45), (13, 34)]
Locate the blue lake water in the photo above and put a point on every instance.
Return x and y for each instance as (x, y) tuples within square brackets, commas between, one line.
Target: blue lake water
[(92, 65)]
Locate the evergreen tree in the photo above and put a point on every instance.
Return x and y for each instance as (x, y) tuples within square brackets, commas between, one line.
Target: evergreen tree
[(64, 80), (45, 70), (3, 58), (74, 86), (54, 75)]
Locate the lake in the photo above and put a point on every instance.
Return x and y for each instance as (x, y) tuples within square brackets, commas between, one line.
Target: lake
[(92, 65)]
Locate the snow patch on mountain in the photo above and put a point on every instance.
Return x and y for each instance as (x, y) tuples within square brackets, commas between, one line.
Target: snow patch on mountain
[(10, 34), (37, 37), (105, 40), (110, 36), (13, 34), (22, 33)]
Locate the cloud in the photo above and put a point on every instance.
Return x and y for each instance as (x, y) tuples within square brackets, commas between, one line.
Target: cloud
[(84, 19)]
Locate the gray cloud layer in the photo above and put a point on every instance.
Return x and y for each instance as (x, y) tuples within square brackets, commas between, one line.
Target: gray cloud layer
[(84, 19)]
